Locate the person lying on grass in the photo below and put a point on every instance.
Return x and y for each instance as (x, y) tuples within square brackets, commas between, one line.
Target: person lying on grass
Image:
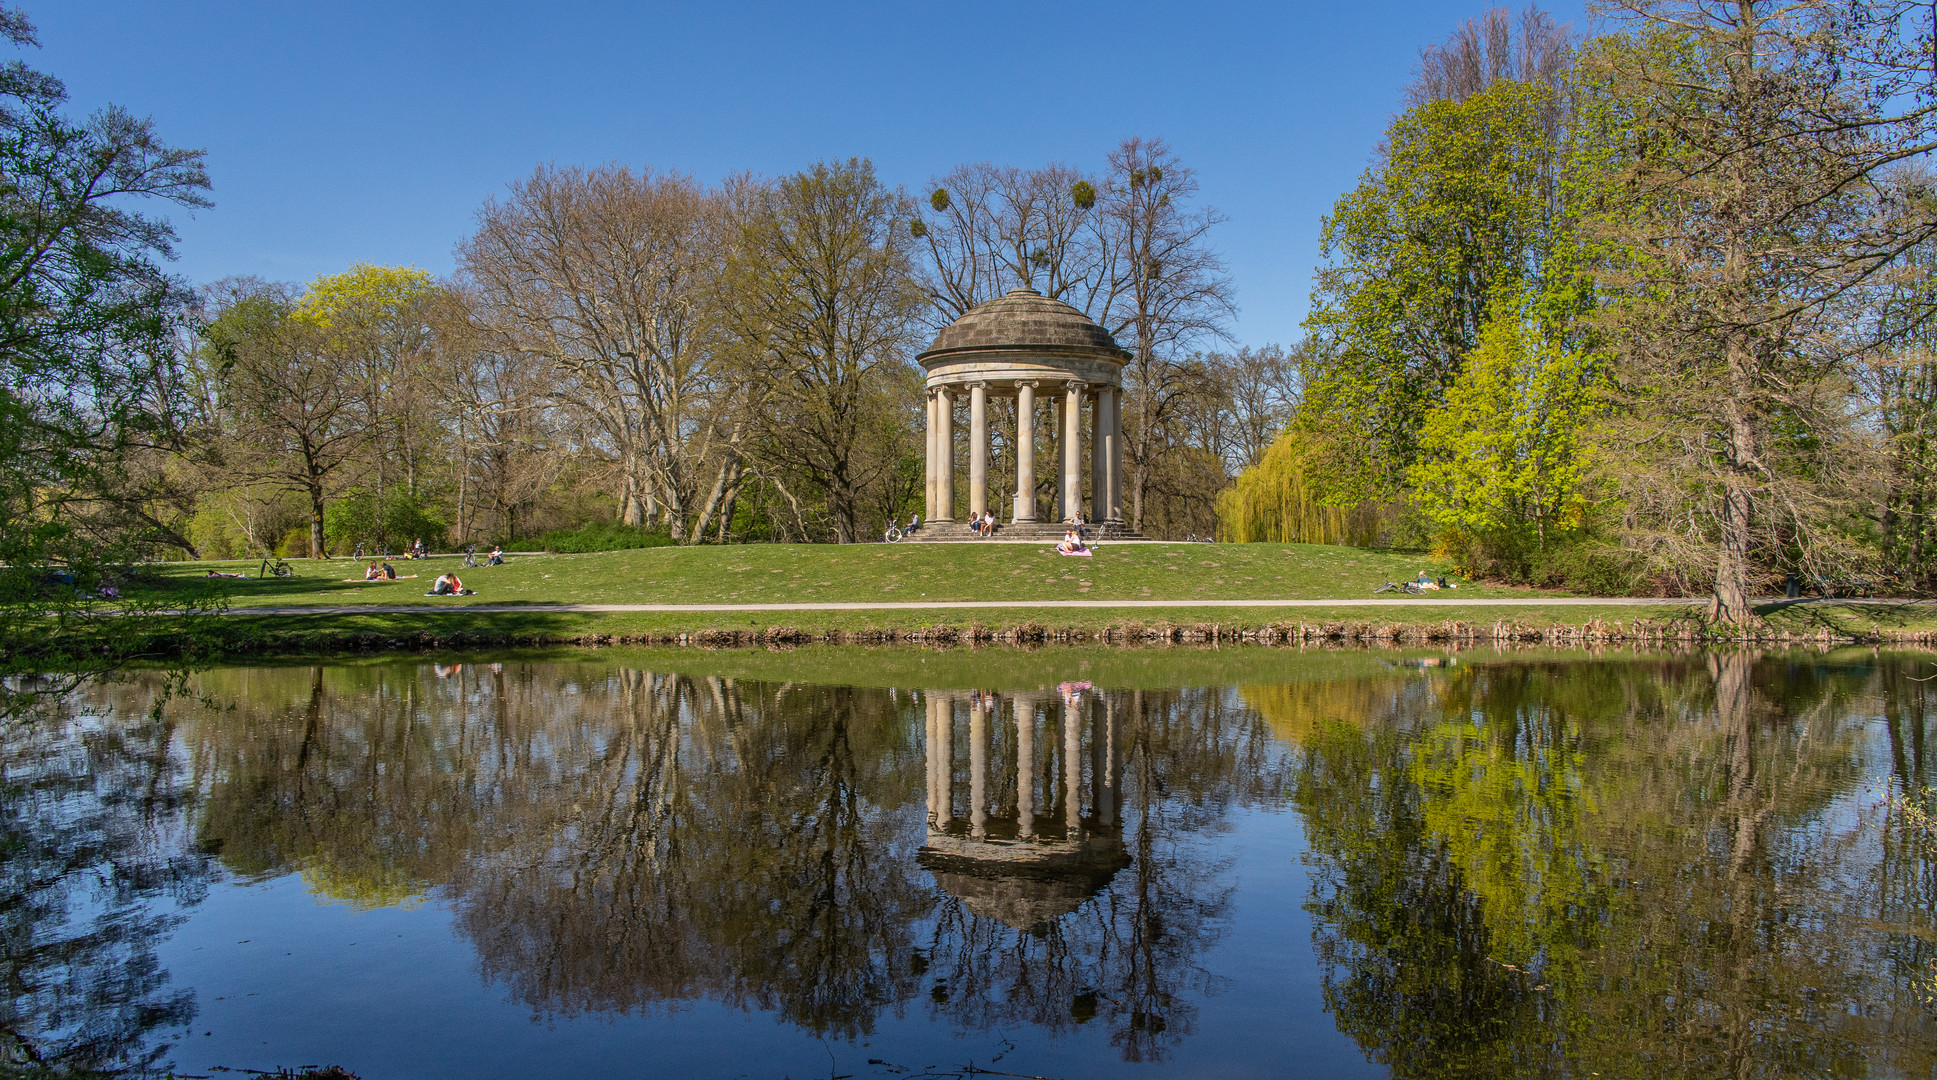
[(448, 585)]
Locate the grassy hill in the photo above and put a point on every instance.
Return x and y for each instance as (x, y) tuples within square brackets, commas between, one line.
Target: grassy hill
[(803, 573), (872, 573)]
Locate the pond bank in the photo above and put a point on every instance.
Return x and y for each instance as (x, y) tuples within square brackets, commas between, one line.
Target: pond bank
[(362, 634)]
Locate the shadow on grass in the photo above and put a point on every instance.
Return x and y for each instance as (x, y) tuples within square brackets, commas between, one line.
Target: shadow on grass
[(322, 633)]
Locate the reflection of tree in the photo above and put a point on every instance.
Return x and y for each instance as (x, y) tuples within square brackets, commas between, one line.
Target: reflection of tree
[(89, 842), (346, 774), (1128, 957), (775, 875), (1632, 863), (612, 840), (561, 811)]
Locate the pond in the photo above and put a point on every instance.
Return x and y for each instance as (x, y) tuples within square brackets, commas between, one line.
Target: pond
[(1052, 863)]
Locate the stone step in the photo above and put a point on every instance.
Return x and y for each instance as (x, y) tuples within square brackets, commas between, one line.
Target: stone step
[(1050, 532)]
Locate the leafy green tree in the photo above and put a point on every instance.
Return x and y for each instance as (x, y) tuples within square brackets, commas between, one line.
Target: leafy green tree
[(1740, 150), (293, 403), (87, 361), (1502, 455), (1464, 204)]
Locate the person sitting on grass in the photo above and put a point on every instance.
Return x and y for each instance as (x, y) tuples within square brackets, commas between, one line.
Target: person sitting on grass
[(389, 571), (1072, 544), (448, 585), (375, 571), (497, 556), (1426, 582)]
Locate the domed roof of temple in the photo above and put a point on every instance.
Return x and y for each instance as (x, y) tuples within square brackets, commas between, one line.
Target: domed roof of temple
[(1024, 319), (1022, 884)]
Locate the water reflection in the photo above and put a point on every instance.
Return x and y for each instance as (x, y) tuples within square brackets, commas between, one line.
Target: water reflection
[(1557, 866), (1579, 868), (94, 866)]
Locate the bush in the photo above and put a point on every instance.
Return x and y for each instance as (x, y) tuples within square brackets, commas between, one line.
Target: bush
[(1577, 563), (603, 536), (395, 520)]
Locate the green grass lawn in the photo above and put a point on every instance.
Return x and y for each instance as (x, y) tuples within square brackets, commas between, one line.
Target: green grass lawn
[(783, 573), (804, 573)]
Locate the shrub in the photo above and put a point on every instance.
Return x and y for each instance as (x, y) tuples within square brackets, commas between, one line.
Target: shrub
[(1578, 563), (603, 536), (396, 520)]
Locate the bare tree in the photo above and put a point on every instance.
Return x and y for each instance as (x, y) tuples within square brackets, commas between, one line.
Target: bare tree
[(1493, 48), (1169, 291), (993, 228), (605, 273), (1257, 392), (822, 300)]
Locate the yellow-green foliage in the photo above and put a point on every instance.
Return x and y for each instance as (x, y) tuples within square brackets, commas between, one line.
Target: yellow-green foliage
[(362, 295), (1503, 453), (1277, 500)]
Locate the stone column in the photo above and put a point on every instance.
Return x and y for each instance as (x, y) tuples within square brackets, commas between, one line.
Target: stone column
[(1116, 456), (1073, 769), (1026, 452), (1099, 475), (928, 744), (933, 459), (945, 446), (944, 760), (1072, 449), (1025, 767), (978, 768), (1062, 455), (1110, 455), (978, 448)]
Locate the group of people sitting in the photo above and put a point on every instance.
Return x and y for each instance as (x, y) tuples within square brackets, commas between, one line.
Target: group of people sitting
[(448, 585), (982, 524)]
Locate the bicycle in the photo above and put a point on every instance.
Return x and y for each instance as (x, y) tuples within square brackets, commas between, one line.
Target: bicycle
[(892, 535), (281, 568), (1410, 588), (471, 557)]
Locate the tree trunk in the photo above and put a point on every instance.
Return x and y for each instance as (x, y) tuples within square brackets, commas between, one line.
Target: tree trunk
[(316, 517), (635, 510)]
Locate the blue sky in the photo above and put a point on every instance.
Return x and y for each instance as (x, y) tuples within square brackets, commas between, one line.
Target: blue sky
[(348, 132)]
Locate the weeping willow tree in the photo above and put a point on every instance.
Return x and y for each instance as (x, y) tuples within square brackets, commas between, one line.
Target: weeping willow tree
[(1278, 500)]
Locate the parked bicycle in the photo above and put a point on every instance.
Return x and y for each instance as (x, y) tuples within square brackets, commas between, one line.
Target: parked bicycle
[(280, 568), (471, 555)]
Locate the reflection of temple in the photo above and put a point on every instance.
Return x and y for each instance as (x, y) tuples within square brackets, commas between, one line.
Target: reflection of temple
[(1037, 835)]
